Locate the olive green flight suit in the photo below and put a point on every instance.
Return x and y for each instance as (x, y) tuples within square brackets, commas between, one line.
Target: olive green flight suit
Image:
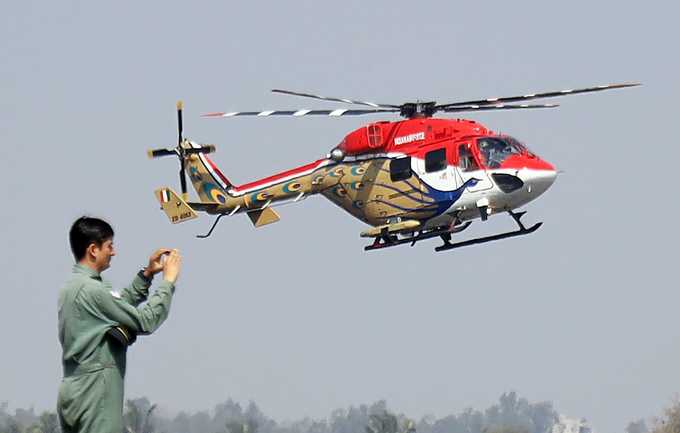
[(91, 394)]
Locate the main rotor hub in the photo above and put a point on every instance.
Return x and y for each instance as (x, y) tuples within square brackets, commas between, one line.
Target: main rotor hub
[(412, 110)]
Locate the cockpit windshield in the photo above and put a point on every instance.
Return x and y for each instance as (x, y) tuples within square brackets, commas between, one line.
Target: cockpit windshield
[(495, 150)]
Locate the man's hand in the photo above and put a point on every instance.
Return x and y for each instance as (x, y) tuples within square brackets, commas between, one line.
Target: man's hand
[(171, 267), (155, 262)]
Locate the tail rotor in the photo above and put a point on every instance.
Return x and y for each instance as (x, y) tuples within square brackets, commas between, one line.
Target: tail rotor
[(184, 149)]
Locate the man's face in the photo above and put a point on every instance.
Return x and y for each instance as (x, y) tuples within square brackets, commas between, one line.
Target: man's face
[(102, 254)]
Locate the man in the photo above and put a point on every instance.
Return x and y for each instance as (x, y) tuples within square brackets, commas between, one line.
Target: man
[(97, 323)]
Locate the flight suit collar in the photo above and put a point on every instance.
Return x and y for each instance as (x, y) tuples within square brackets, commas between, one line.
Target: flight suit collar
[(84, 270)]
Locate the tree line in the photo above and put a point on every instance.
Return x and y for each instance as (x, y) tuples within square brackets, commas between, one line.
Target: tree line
[(511, 414)]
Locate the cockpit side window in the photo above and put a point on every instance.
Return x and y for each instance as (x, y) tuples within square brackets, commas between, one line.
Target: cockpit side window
[(400, 169), (495, 150), (435, 160), (466, 161)]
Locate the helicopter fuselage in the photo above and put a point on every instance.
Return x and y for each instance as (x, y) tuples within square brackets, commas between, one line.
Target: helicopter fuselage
[(412, 180), (435, 171)]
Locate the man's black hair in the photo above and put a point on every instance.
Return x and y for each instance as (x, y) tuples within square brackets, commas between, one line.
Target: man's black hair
[(85, 231)]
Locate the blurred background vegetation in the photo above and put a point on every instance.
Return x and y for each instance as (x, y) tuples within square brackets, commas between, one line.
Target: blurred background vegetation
[(512, 414)]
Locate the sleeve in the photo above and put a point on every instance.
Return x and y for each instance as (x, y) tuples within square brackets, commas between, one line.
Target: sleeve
[(111, 306), (137, 291)]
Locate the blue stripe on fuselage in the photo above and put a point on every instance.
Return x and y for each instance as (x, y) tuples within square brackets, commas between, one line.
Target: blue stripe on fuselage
[(445, 199)]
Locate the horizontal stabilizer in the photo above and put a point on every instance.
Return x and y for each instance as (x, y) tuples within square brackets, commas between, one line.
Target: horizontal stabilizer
[(174, 207), (263, 217)]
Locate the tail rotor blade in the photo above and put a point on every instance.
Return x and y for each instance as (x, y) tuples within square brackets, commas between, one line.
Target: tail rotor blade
[(182, 151), (205, 148), (183, 180), (157, 153), (180, 106)]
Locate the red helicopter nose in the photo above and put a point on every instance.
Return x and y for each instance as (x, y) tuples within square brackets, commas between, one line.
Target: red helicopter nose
[(539, 164), (528, 161), (538, 175)]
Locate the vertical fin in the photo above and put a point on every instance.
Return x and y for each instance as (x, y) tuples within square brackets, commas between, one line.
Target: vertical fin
[(174, 206), (208, 181)]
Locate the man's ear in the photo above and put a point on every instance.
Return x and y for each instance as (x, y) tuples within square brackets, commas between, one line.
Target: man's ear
[(91, 251)]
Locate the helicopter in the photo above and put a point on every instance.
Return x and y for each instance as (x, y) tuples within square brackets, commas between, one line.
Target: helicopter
[(413, 179)]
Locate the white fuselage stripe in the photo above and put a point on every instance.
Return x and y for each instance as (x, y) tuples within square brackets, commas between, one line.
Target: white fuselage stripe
[(208, 167), (239, 192)]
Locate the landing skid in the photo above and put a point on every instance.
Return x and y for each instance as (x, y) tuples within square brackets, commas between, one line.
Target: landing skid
[(393, 241), (445, 235), (521, 232)]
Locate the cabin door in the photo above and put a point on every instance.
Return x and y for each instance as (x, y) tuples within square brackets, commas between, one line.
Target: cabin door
[(469, 167)]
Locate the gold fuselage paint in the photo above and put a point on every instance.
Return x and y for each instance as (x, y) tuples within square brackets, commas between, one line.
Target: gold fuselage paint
[(362, 188)]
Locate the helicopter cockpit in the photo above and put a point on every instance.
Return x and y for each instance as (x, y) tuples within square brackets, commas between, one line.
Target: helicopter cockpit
[(495, 150)]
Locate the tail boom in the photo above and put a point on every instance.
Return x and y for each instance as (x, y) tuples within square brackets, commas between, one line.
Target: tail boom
[(213, 187), (219, 196)]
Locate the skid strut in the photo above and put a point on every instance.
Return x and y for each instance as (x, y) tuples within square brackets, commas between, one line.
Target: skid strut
[(386, 241), (521, 232), (392, 241)]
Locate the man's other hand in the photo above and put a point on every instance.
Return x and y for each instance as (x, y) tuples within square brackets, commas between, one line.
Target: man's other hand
[(155, 262), (171, 266)]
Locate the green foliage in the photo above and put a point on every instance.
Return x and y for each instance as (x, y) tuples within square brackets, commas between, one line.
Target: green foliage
[(505, 429), (670, 421), (138, 416), (47, 423), (12, 426), (248, 422), (511, 414), (382, 423)]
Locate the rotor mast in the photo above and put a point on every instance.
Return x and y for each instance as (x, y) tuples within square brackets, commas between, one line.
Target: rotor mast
[(417, 110)]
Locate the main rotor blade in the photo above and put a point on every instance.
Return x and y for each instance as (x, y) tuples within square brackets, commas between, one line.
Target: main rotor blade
[(329, 98), (471, 107), (299, 113), (539, 95)]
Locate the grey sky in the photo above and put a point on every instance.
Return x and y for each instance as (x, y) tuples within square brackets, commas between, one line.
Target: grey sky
[(295, 315)]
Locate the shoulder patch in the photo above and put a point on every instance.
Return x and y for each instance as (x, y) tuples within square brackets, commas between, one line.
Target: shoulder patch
[(115, 294)]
